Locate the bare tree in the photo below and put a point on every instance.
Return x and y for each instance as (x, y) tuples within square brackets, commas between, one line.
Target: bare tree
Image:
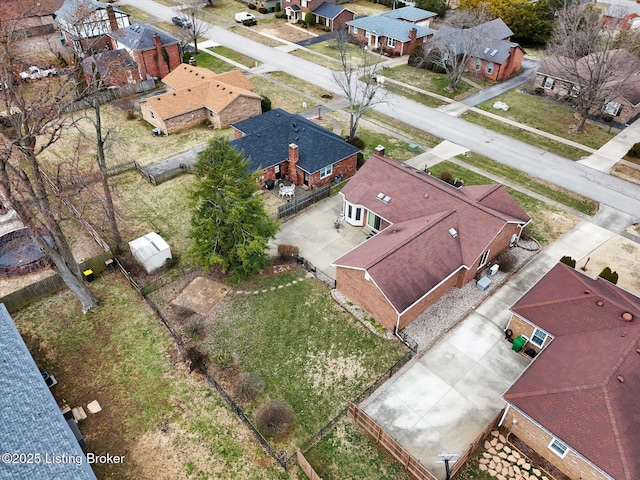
[(357, 79), (36, 118), (589, 55), (196, 26)]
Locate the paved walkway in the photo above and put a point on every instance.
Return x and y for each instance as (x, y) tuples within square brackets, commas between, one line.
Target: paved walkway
[(443, 400), (612, 152)]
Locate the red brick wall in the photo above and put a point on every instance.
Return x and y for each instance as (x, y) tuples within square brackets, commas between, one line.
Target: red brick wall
[(519, 327), (346, 167), (340, 22), (366, 295), (572, 465), (153, 63)]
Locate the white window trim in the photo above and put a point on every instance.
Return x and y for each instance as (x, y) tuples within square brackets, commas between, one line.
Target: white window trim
[(354, 30), (478, 64), (548, 83), (391, 42), (533, 335), (489, 68), (484, 258), (554, 443), (575, 90), (612, 108), (326, 173)]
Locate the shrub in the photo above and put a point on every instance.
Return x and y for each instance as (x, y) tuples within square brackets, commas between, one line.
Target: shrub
[(357, 142), (567, 260), (539, 91), (280, 15), (278, 8), (248, 387), (195, 329), (252, 6), (263, 10), (308, 18), (275, 418), (634, 151), (265, 104), (360, 161), (249, 23), (285, 251), (609, 275), (415, 57), (197, 360), (507, 261), (130, 114), (446, 176)]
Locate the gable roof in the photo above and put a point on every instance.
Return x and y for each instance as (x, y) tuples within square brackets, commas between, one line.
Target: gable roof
[(140, 37), (195, 87), (108, 63), (390, 27), (422, 209), (495, 28), (68, 10), (328, 10), (267, 138), (571, 388), (409, 14), (31, 420)]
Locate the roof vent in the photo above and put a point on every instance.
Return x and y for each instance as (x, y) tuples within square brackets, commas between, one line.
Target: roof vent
[(620, 378), (453, 232), (426, 195), (627, 317), (600, 303), (587, 292)]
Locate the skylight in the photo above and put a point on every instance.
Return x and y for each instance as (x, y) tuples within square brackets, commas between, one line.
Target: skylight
[(380, 196), (453, 232), (486, 50), (494, 52)]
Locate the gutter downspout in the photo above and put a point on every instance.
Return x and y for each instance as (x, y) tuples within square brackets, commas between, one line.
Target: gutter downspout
[(503, 415)]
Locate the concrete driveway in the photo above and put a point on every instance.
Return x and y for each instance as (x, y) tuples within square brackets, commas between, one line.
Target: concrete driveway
[(313, 232), (442, 401)]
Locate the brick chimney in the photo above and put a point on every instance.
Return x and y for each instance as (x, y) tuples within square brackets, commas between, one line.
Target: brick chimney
[(162, 68), (112, 18), (293, 161), (380, 150), (413, 33)]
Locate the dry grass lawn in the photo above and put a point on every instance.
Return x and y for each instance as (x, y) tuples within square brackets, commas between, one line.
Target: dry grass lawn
[(628, 173)]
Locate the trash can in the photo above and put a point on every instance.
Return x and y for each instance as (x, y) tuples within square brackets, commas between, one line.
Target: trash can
[(88, 275), (518, 343)]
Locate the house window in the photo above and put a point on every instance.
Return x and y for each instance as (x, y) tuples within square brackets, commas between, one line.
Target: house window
[(575, 90), (612, 108), (483, 258), (305, 3), (489, 68), (477, 64), (558, 448), (538, 337), (326, 171), (391, 42), (548, 83), (153, 115), (354, 30), (367, 34)]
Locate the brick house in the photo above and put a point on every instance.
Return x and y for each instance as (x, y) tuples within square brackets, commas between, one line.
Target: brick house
[(491, 53), (156, 52), (111, 68), (577, 402), (32, 17), (197, 95), (325, 14), (429, 237), (620, 95), (393, 33), (283, 145), (85, 24)]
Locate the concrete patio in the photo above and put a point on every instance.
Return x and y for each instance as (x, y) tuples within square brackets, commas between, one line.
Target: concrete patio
[(313, 231)]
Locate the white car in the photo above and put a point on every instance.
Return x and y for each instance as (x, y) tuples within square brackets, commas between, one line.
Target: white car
[(242, 16)]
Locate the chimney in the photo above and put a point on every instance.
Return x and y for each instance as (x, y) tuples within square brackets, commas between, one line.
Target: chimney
[(162, 68), (293, 161), (380, 150), (413, 33), (112, 18)]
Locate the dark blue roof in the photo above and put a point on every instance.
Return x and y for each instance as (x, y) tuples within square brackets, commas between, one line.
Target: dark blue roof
[(266, 141), (140, 37), (295, 8), (31, 420), (328, 10)]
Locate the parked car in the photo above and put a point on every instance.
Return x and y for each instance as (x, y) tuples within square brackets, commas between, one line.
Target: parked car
[(181, 22), (242, 16), (35, 73)]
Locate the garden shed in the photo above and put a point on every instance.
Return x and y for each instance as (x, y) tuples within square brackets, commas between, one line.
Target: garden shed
[(151, 251)]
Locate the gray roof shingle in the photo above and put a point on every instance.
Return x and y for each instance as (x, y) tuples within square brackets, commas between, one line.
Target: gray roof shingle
[(409, 14), (140, 37), (328, 10), (390, 27), (31, 419)]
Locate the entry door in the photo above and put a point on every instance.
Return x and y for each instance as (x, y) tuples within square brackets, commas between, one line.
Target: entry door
[(306, 179), (354, 215), (277, 171)]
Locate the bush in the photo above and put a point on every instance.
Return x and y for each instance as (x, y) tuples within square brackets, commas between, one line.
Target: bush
[(263, 10), (539, 91), (446, 176), (308, 18), (415, 57), (360, 161), (634, 151), (275, 418), (609, 275), (265, 104), (252, 6), (197, 360), (278, 8), (249, 23), (248, 387), (280, 15), (285, 251), (567, 260), (357, 142), (130, 114), (186, 56)]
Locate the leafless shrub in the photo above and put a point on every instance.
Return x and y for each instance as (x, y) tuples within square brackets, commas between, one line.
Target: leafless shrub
[(285, 251), (275, 418), (248, 387)]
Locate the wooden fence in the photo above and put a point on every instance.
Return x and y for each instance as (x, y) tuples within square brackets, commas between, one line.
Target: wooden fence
[(413, 466), (300, 203), (306, 467)]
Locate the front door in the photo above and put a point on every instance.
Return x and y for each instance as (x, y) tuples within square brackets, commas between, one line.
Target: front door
[(354, 215), (306, 179), (276, 169)]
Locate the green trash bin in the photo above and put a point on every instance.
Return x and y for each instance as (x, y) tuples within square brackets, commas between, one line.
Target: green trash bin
[(518, 343)]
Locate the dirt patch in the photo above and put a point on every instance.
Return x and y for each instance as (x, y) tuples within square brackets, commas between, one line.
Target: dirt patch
[(325, 369), (626, 172), (284, 31), (201, 296), (621, 255)]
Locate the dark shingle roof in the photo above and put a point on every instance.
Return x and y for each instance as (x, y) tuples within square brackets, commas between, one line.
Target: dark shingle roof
[(571, 388), (495, 28), (31, 419), (140, 37), (409, 14), (69, 8), (266, 141), (328, 10), (390, 27), (473, 42)]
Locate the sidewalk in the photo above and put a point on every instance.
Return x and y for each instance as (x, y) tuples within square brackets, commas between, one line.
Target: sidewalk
[(612, 152)]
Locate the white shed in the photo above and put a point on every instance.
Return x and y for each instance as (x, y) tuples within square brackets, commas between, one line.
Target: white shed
[(151, 251)]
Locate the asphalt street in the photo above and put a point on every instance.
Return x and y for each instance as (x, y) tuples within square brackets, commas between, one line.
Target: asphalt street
[(599, 186)]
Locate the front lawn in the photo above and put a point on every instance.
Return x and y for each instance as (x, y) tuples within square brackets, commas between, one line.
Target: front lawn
[(235, 56), (309, 351), (542, 113), (429, 81), (214, 64)]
